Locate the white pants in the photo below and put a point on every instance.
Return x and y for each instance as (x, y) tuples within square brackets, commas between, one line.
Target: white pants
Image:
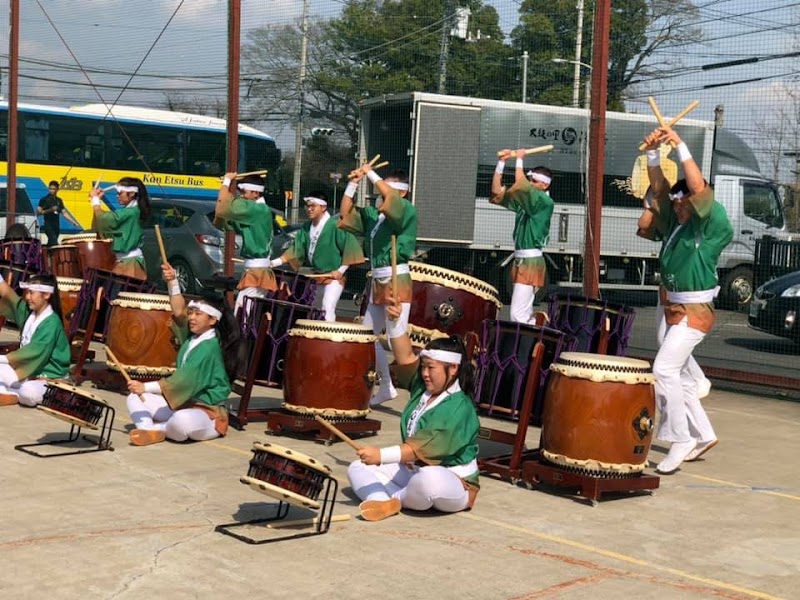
[(682, 414), (417, 488), (330, 298), (376, 318), (179, 425), (251, 292), (30, 392), (691, 365), (522, 297)]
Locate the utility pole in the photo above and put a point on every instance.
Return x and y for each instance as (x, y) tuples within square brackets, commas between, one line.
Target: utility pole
[(13, 80), (298, 139), (524, 76), (576, 77), (234, 40), (444, 46)]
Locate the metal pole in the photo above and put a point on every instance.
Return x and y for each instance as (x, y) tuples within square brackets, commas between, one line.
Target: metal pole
[(525, 77), (576, 78), (597, 133), (444, 47), (234, 35), (298, 133), (13, 81)]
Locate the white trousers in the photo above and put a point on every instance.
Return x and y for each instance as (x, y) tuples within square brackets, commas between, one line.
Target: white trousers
[(186, 424), (682, 414), (376, 318), (330, 298), (417, 488), (691, 365), (522, 297), (30, 392), (251, 292)]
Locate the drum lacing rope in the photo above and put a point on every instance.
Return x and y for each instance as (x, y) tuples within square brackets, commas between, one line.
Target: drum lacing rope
[(579, 364), (471, 281), (599, 474)]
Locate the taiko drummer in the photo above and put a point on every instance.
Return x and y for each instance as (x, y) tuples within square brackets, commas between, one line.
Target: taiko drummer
[(248, 215), (191, 403), (43, 346), (435, 465), (327, 249), (393, 216)]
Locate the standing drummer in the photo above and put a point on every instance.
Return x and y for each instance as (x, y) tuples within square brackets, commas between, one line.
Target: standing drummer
[(249, 215), (395, 216), (51, 207), (696, 229), (327, 249), (529, 198)]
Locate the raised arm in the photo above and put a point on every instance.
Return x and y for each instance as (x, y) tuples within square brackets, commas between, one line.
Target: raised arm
[(176, 300), (498, 189), (658, 182), (691, 170)]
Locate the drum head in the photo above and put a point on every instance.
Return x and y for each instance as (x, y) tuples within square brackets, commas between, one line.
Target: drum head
[(601, 367), (65, 417), (69, 284), (336, 332), (142, 301), (303, 459), (76, 390), (279, 493), (453, 279)]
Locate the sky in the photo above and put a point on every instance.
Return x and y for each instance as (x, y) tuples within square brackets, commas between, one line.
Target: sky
[(112, 38)]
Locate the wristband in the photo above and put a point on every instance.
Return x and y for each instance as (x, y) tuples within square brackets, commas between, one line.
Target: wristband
[(374, 177), (391, 454), (343, 269), (520, 164), (683, 152), (96, 201), (226, 182), (501, 165), (653, 158), (174, 288), (351, 188), (152, 387), (275, 262)]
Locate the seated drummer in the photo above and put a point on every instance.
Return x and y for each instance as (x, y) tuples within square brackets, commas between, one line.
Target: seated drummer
[(43, 346), (436, 465), (191, 403)]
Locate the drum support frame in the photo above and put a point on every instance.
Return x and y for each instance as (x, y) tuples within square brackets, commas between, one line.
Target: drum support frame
[(243, 414), (103, 438), (78, 372), (282, 421), (319, 524)]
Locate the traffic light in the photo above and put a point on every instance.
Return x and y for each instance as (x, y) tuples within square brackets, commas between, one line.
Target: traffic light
[(318, 131)]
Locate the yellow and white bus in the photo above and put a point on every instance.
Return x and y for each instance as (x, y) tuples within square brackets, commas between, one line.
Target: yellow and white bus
[(176, 155)]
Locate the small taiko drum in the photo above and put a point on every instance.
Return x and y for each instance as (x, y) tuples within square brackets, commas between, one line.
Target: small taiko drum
[(68, 292), (23, 252), (330, 369), (449, 301), (286, 475), (72, 404), (598, 414), (139, 334), (64, 261), (92, 252)]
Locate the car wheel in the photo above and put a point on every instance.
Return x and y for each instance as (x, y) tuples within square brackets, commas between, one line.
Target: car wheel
[(737, 288), (185, 276)]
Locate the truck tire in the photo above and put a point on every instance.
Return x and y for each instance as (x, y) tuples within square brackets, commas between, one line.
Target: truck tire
[(737, 288)]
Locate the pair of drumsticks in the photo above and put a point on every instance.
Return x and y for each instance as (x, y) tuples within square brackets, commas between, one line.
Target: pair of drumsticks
[(371, 163)]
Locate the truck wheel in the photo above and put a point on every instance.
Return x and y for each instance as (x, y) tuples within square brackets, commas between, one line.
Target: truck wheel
[(737, 288)]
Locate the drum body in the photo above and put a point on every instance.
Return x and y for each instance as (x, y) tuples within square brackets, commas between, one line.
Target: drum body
[(92, 252), (139, 334), (26, 253), (503, 366), (450, 301), (14, 274), (64, 261), (72, 404), (283, 316), (286, 475), (294, 287), (113, 284), (68, 292), (330, 369), (587, 318), (598, 414)]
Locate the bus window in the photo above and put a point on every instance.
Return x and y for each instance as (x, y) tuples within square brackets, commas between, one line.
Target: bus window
[(36, 140), (205, 153), (154, 148)]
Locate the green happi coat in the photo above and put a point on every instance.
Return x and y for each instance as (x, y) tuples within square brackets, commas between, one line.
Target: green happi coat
[(447, 434), (533, 209), (335, 247), (47, 354), (252, 219), (200, 376), (124, 229)]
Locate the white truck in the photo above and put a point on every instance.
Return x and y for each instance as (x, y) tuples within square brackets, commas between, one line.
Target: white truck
[(449, 144)]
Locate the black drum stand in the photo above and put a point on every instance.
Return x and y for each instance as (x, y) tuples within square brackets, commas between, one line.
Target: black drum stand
[(103, 439)]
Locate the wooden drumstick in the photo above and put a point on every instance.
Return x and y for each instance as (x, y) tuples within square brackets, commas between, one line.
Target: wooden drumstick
[(338, 433), (314, 521), (537, 150), (694, 104), (97, 185), (354, 172), (108, 188), (161, 245), (374, 160), (243, 175), (394, 269), (652, 102), (122, 370), (380, 164)]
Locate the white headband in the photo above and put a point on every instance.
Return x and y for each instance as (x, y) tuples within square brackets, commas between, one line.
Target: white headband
[(398, 185), (539, 177), (676, 196), (126, 188), (442, 355), (206, 308), (250, 187), (38, 287), (315, 200)]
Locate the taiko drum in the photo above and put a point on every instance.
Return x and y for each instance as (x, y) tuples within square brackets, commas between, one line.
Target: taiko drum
[(69, 290), (138, 331), (64, 261), (92, 252), (598, 414)]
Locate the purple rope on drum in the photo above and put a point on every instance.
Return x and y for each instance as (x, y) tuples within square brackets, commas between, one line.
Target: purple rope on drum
[(26, 253), (585, 318)]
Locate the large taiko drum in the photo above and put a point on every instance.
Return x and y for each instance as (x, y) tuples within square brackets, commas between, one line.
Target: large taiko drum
[(72, 404), (64, 261), (286, 475), (68, 292), (593, 322), (93, 253), (14, 274), (598, 414), (26, 253), (450, 301), (139, 334), (330, 369), (294, 287)]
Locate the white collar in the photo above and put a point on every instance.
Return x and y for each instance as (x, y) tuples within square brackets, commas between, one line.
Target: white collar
[(195, 341), (32, 323), (424, 406)]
